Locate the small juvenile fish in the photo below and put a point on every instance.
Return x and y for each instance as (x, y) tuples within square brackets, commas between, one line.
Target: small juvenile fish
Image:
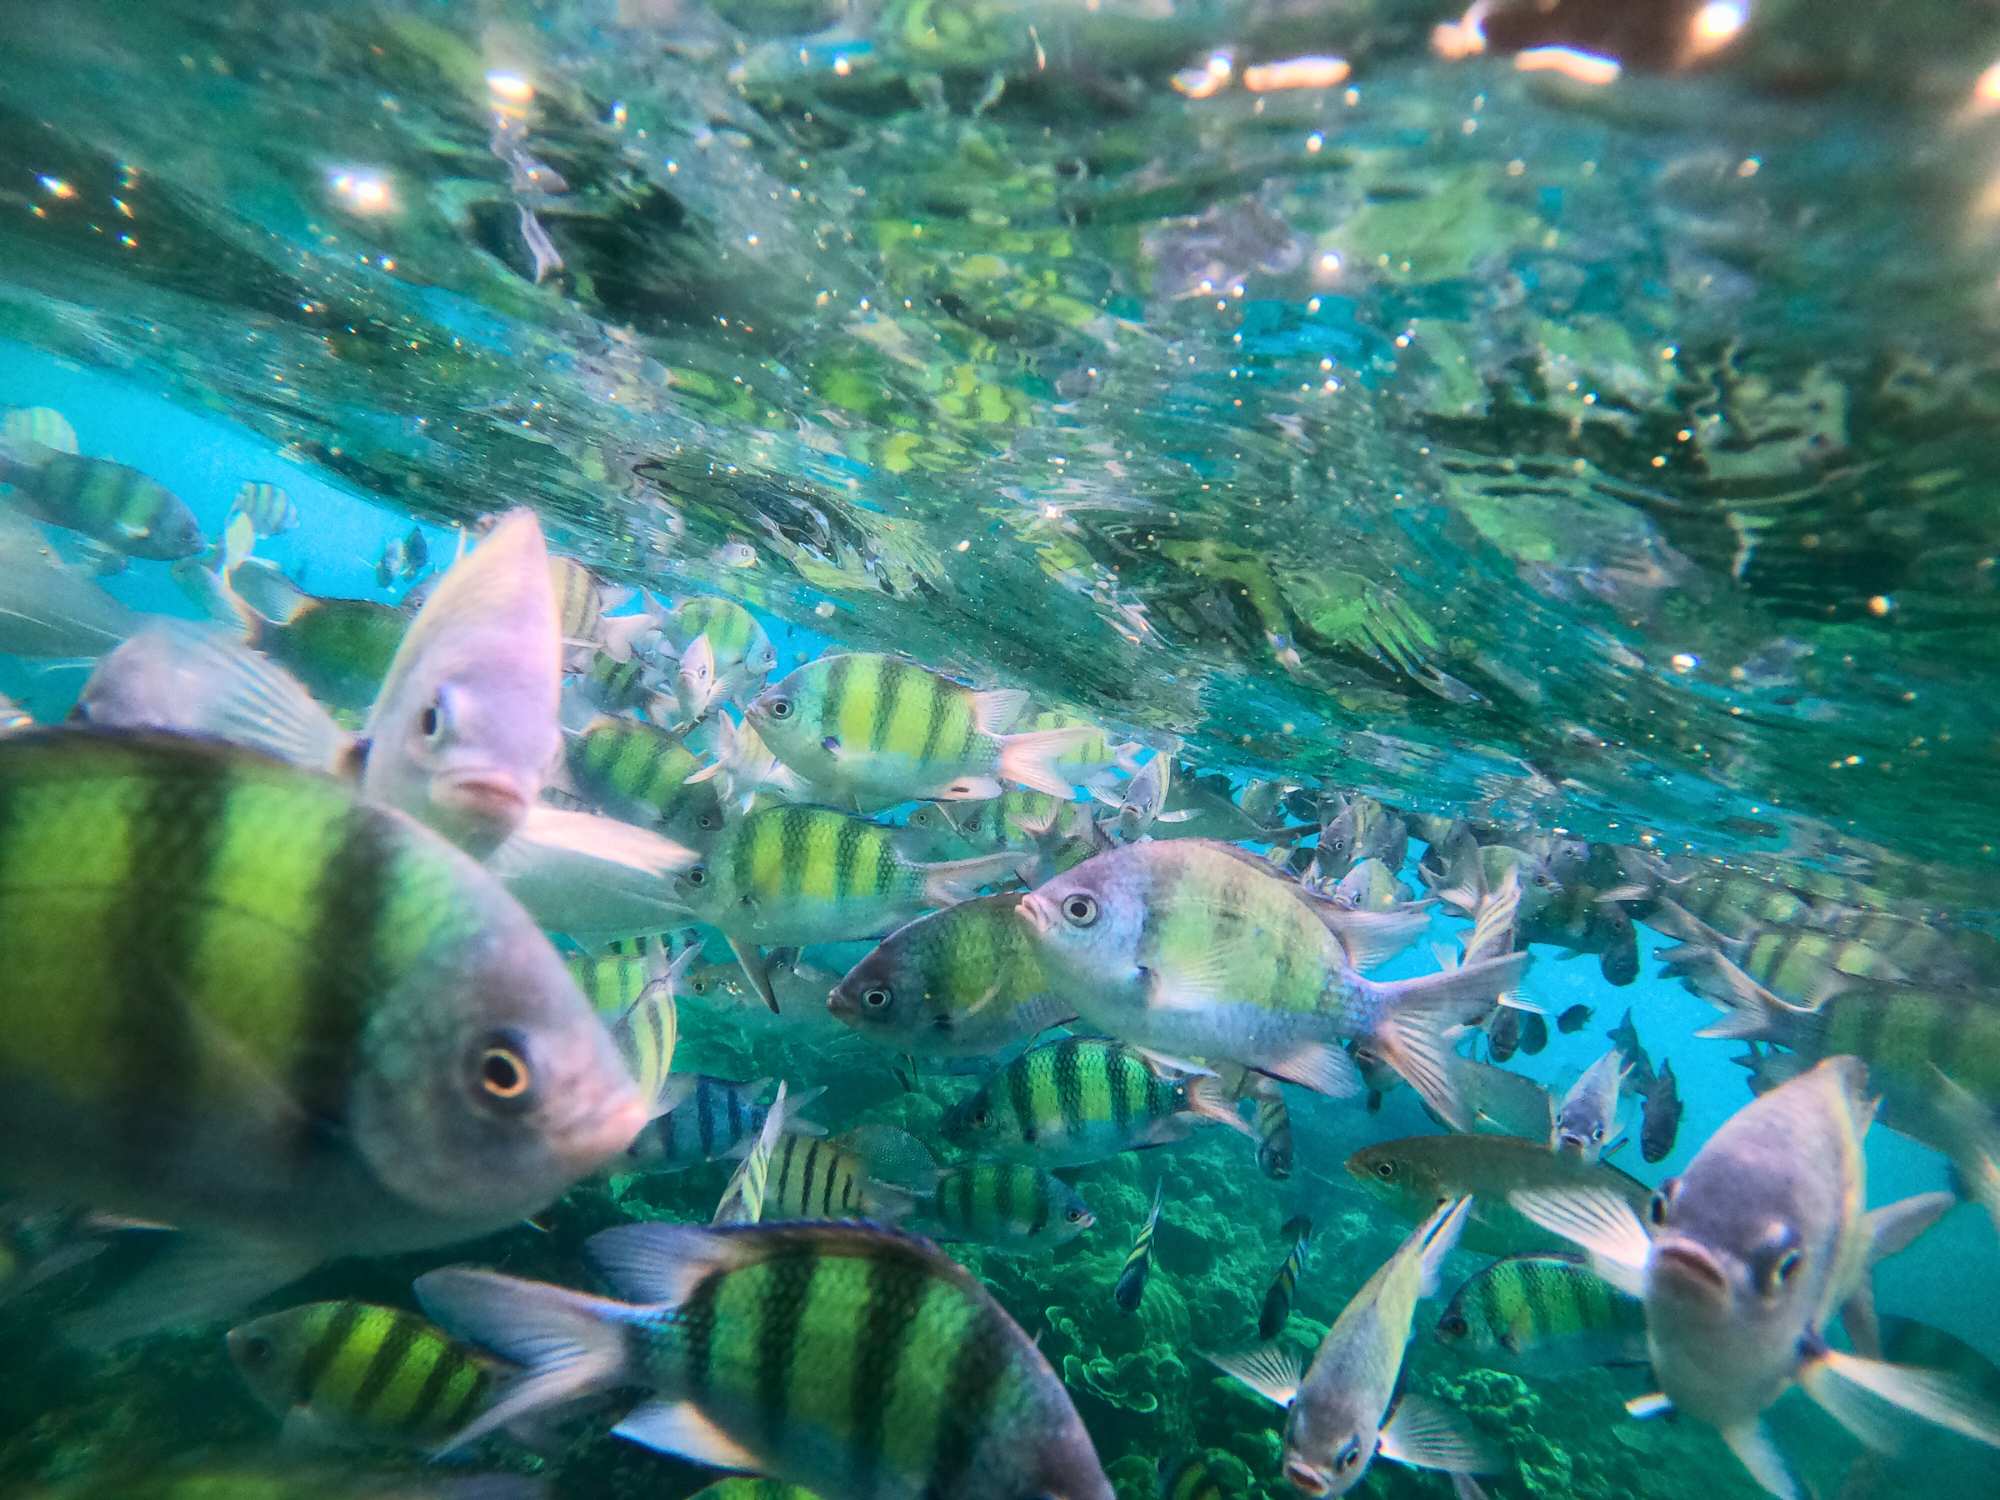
[(1542, 1316), (1008, 1205), (743, 767), (1144, 801), (1573, 1020), (271, 511), (1588, 1113), (1273, 1123), (352, 1372), (857, 1360), (703, 1119), (631, 769), (108, 502), (1343, 1410), (743, 1200), (1131, 1288), (875, 1172), (871, 731), (1660, 1115), (966, 981), (1625, 1037), (1277, 1309), (743, 653), (1080, 1099)]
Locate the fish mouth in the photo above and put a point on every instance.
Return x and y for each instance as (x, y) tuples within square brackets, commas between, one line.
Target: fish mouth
[(1571, 1143), (1307, 1480), (493, 802), (1691, 1267), (1037, 912), (839, 1001)]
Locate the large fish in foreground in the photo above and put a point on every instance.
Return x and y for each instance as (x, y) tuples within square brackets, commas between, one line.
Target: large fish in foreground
[(856, 1360), (1743, 1261), (289, 1023), (1195, 950)]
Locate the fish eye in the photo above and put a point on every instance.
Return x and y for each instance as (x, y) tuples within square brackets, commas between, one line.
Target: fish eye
[(501, 1069), (1349, 1455), (1454, 1325), (256, 1350), (707, 820), (1788, 1265), (980, 1118), (1386, 1170), (1075, 1216), (781, 708), (697, 876), (434, 718), (1079, 910), (875, 997), (1597, 1132)]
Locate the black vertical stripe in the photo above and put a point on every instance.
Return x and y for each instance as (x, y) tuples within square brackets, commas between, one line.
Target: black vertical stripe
[(976, 1373), (895, 1292), (847, 856), (846, 1173), (780, 1317), (388, 1359), (1003, 1193), (967, 1187), (696, 1319), (704, 1104), (1119, 1080), (448, 1363), (1021, 1093), (1040, 1221), (785, 1154), (888, 690), (942, 698), (324, 1348), (1069, 1080), (836, 690), (811, 1169), (346, 971)]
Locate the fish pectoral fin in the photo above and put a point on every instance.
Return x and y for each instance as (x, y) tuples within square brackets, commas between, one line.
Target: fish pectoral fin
[(1271, 1370), (1653, 1404), (756, 969), (1320, 1066), (1875, 1401), (552, 830), (1601, 1222), (1753, 1445), (192, 1280), (996, 709), (676, 1427), (1188, 984), (1427, 1435), (1894, 1227)]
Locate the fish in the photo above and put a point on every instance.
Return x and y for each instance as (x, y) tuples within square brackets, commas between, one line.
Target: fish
[(1503, 1034), (291, 1023), (1075, 1100), (1272, 1122), (704, 1119), (1039, 828), (356, 1373), (1805, 967), (1660, 1115), (1543, 1316), (111, 503), (1969, 1134), (466, 719), (339, 649), (49, 609), (1358, 829), (38, 1244), (797, 874), (1193, 1478), (871, 731), (874, 1172), (1474, 872), (743, 1199), (1277, 1309), (966, 981), (630, 769), (1191, 949), (1587, 1115), (1625, 1036), (1370, 885), (1418, 1172), (272, 512), (259, 1476), (743, 767), (744, 655), (1006, 1205), (694, 681), (1342, 1410), (1130, 1289), (1744, 1259), (1500, 1101), (1573, 1020), (1144, 801), (615, 687), (1221, 812), (615, 981), (592, 879), (850, 1358), (645, 1035), (744, 1488)]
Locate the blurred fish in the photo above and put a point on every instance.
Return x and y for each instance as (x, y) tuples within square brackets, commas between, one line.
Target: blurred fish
[(646, 1033), (612, 686), (855, 1359), (1130, 1289), (1625, 1036), (466, 720), (1588, 1113), (1574, 1020), (403, 558), (108, 502), (1415, 1174), (630, 769), (743, 654), (592, 879), (1474, 872), (1370, 885), (743, 1199), (1277, 1309), (1500, 1101), (1971, 1137), (1358, 828), (271, 511), (264, 1477), (1006, 1205), (743, 767), (49, 609), (1503, 1033), (1533, 1033), (874, 1172), (966, 981), (1273, 1123), (1749, 1255), (1192, 949), (707, 1119), (203, 578), (1806, 968), (1660, 1116), (1343, 1410), (695, 681), (1093, 756), (1075, 1100), (1041, 830), (291, 1024), (615, 981), (1212, 801), (1542, 1316), (38, 1244), (351, 1372), (797, 874), (339, 649), (870, 731), (1144, 799)]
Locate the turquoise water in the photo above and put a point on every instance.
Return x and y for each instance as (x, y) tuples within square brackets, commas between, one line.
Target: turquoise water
[(1602, 460)]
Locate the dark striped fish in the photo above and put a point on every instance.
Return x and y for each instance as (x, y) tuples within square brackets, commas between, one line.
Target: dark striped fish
[(743, 1200), (743, 654), (875, 1172), (856, 1360), (1193, 1478), (271, 511), (870, 731), (1277, 1310), (1543, 1316), (645, 1036), (292, 1024), (1080, 1099), (1131, 1288), (705, 1119), (344, 1372), (630, 769), (1005, 1204), (744, 1488), (108, 502), (263, 1477), (1273, 1124), (615, 686)]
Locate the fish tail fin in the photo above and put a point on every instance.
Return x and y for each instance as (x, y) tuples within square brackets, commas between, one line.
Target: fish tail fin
[(1494, 917), (958, 880), (1435, 1238), (1874, 1400), (1754, 1013), (1204, 1099), (1370, 938), (1413, 1019), (1031, 760), (568, 1344)]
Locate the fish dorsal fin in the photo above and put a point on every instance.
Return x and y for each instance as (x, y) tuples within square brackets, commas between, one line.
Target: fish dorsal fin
[(996, 709), (1752, 1444), (676, 1427), (1601, 1222), (1273, 1371), (662, 1264), (1426, 1435)]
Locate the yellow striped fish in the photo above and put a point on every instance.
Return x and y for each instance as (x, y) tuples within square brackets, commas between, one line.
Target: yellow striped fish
[(743, 1200), (1131, 1288)]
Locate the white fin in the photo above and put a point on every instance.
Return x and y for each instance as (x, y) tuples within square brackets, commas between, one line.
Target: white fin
[(660, 1265), (1438, 1234), (567, 1344), (676, 1427), (1032, 760), (617, 635), (1166, 1064), (1370, 938), (1761, 1457), (188, 1282), (1645, 1408), (192, 679), (1202, 1101), (1493, 921), (1414, 1019), (958, 880), (1601, 1222), (1425, 1435), (996, 710), (40, 426), (743, 1199), (1834, 1379), (1319, 1066), (1894, 1227), (1271, 1370), (756, 967), (590, 836)]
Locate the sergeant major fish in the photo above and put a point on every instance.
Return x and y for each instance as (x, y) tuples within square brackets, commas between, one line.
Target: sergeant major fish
[(1006, 1205), (1130, 1289), (1543, 1315), (1277, 1308)]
